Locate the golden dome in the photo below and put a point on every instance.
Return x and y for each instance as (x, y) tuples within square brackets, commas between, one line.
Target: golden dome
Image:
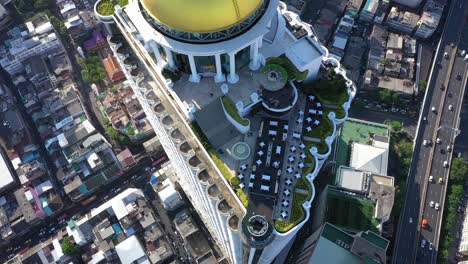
[(200, 16)]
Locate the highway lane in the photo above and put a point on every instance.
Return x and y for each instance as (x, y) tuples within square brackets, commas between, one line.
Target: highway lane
[(407, 240), (446, 132)]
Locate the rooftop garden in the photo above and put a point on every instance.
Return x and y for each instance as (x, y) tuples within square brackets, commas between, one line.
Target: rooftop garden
[(225, 171), (297, 211), (106, 7), (232, 111), (291, 70), (331, 90)]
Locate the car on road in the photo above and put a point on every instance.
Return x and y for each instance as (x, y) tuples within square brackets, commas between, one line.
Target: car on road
[(442, 151), (431, 178), (459, 77), (438, 140), (431, 204), (424, 118), (450, 108), (440, 180), (423, 243), (425, 142), (436, 206), (410, 220), (446, 55), (424, 223), (445, 164), (449, 148), (430, 246), (433, 109)]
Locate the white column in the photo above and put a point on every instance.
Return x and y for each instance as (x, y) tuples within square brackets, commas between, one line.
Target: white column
[(219, 77), (254, 62), (156, 53), (194, 77), (233, 77), (169, 58), (260, 42)]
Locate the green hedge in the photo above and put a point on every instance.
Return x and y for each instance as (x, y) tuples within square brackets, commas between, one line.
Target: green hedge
[(234, 181), (232, 111), (297, 213), (106, 7), (227, 174), (292, 71), (242, 196), (170, 74)]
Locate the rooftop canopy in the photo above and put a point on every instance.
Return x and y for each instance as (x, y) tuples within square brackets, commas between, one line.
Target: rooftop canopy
[(201, 16)]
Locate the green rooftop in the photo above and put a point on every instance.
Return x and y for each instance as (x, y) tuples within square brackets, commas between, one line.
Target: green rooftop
[(337, 236), (375, 239), (355, 130)]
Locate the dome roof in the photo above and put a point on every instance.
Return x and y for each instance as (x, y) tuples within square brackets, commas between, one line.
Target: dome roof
[(200, 16)]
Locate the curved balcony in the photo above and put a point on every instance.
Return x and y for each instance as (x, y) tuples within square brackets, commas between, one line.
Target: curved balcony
[(177, 135), (203, 176), (151, 97), (233, 222), (224, 207), (159, 109), (194, 161), (167, 121), (214, 192), (184, 147)]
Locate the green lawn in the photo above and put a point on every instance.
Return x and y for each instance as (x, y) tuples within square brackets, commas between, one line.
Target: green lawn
[(232, 111), (293, 72), (324, 130)]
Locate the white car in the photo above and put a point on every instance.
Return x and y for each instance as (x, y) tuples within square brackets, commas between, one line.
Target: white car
[(431, 178), (410, 220), (433, 109), (425, 142), (430, 246), (431, 204), (446, 55), (438, 140), (449, 148), (450, 108), (437, 206), (423, 243), (445, 164)]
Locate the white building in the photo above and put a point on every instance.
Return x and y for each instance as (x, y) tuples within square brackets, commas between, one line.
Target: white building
[(214, 40), (38, 38)]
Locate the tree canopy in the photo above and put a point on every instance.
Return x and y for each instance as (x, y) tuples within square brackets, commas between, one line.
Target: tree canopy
[(459, 170), (92, 69), (69, 248)]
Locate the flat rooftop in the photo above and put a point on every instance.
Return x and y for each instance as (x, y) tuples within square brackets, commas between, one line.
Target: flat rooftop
[(355, 130)]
